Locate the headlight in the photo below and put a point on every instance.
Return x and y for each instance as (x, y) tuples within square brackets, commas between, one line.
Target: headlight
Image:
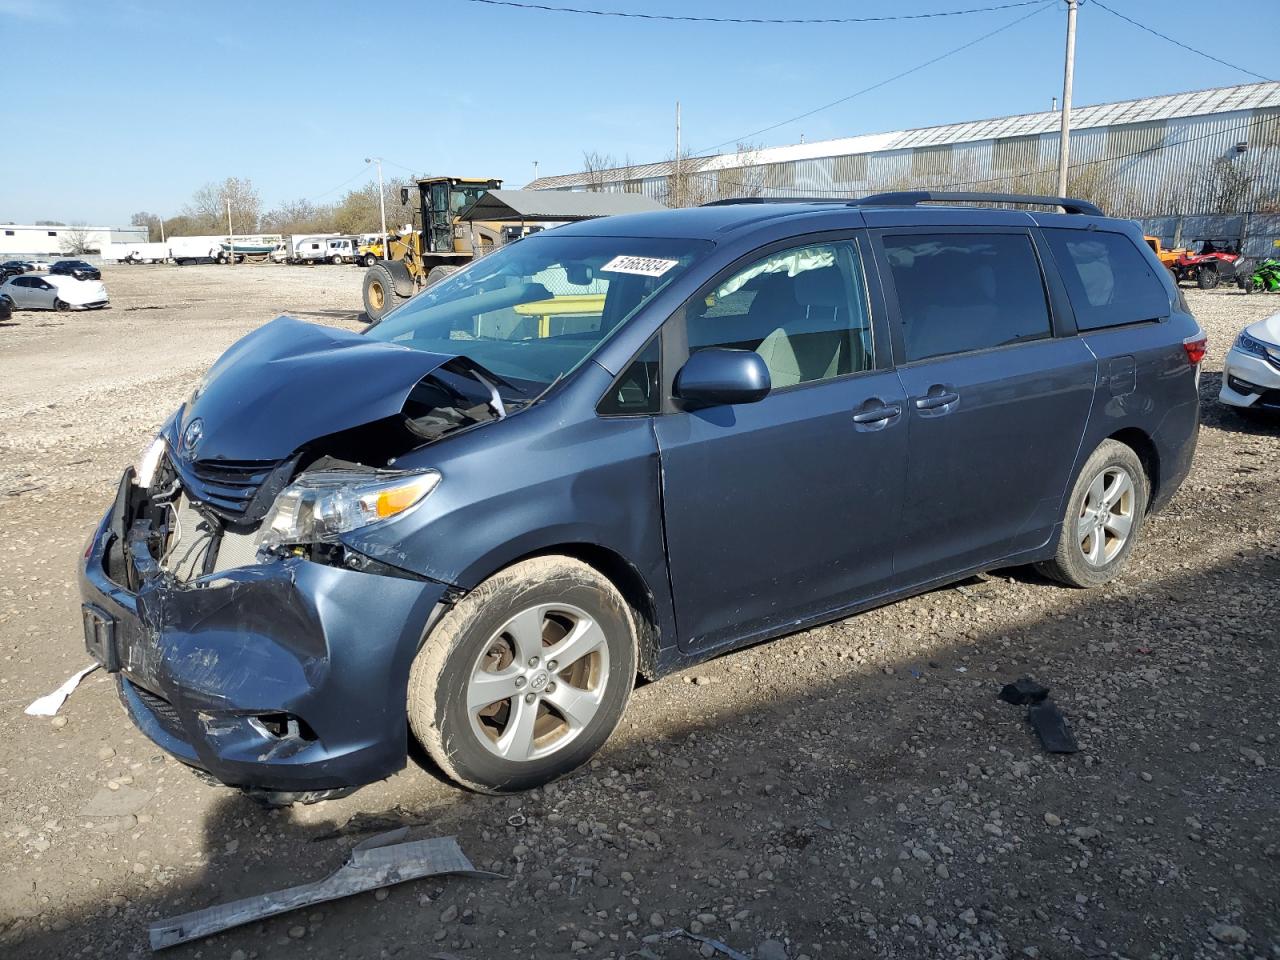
[(144, 471), (318, 507), (1258, 348)]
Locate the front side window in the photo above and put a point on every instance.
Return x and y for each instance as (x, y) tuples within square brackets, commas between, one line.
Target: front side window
[(804, 310), (532, 311), (963, 292), (1108, 279)]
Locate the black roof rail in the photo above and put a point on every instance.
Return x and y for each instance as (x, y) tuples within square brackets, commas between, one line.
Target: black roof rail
[(734, 201), (910, 198)]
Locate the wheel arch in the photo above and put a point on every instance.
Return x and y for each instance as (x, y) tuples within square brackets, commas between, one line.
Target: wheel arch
[(625, 576), (1140, 442)]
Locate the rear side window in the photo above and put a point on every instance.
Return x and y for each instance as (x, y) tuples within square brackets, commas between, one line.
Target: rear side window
[(1109, 280), (963, 292)]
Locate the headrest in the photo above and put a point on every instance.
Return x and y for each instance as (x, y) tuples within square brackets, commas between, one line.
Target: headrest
[(823, 287)]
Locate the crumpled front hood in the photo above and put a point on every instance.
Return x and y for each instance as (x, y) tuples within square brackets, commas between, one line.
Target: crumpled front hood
[(290, 382)]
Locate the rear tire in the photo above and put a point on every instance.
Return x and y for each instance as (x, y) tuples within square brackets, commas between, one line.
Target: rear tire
[(380, 296), (1103, 519), (438, 273), (501, 641)]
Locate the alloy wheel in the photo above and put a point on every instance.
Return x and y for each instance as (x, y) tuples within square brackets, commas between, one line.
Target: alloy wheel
[(1106, 516), (538, 682)]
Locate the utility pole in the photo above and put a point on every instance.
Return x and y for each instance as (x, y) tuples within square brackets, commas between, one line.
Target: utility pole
[(162, 239), (231, 237), (679, 181), (1068, 72), (382, 206)]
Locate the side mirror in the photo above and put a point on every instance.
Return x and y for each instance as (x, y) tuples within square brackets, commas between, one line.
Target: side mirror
[(722, 375)]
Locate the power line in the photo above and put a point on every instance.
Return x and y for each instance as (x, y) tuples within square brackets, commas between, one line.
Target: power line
[(548, 8), (1040, 7), (341, 185), (1177, 43)]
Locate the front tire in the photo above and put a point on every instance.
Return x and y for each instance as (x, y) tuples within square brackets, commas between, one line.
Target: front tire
[(1103, 519), (370, 259), (61, 306), (526, 677), (1207, 278)]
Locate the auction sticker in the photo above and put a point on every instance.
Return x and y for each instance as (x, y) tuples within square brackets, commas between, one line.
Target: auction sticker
[(640, 266)]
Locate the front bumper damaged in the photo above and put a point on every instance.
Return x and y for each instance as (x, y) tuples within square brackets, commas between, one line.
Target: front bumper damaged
[(287, 678)]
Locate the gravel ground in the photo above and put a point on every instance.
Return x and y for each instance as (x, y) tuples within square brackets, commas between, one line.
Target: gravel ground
[(854, 790)]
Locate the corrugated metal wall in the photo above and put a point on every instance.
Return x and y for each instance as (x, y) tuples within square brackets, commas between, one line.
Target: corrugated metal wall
[(1160, 167)]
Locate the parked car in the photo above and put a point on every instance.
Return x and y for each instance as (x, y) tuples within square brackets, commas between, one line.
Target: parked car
[(80, 269), (627, 445), (54, 292), (6, 307), (1251, 371), (11, 268), (38, 266)]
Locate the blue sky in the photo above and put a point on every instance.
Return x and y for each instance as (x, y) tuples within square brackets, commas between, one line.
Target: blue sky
[(114, 107)]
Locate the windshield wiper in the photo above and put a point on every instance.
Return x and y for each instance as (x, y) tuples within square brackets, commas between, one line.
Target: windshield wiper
[(486, 378)]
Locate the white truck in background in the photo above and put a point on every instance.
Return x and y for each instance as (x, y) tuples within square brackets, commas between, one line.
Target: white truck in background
[(186, 250)]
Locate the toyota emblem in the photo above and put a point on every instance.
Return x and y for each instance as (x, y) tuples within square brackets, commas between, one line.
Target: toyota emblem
[(191, 438)]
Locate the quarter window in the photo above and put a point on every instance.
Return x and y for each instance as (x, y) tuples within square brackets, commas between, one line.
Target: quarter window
[(963, 292), (638, 390), (804, 310), (1109, 280)]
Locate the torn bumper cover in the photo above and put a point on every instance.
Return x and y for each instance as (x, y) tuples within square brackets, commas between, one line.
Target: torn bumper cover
[(284, 676)]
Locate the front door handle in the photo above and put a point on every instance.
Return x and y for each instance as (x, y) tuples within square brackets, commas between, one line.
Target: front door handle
[(936, 400), (878, 414)]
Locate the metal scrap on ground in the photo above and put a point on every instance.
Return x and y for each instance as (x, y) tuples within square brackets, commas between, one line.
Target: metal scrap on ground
[(716, 945), (380, 861), (51, 703)]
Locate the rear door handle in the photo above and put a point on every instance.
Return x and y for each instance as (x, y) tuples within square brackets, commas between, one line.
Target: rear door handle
[(936, 400), (877, 414)]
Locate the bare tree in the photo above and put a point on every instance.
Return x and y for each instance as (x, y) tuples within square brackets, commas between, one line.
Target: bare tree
[(360, 212), (597, 167), (74, 240), (150, 221), (299, 216), (1231, 183), (208, 206)]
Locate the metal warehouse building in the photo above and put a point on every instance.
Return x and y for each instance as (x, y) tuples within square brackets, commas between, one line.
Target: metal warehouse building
[(1204, 152), (43, 240)]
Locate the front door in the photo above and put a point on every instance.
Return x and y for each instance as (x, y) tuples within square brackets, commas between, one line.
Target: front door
[(997, 404), (783, 510)]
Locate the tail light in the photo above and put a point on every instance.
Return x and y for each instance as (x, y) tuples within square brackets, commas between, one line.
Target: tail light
[(1196, 348)]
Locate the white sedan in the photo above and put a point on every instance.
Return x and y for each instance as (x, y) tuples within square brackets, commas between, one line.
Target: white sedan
[(54, 292), (1251, 373)]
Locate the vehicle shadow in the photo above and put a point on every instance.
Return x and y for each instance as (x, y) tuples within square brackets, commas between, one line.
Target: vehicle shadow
[(844, 765)]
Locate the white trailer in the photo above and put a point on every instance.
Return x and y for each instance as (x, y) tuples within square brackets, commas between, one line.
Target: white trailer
[(136, 252), (185, 250)]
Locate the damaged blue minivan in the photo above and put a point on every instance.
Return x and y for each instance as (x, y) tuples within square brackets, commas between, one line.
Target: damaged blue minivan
[(620, 447)]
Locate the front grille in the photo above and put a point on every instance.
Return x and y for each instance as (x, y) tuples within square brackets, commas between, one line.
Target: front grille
[(165, 715), (228, 486)]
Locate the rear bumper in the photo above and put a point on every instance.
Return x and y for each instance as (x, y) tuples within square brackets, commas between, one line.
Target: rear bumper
[(1249, 381), (284, 676)]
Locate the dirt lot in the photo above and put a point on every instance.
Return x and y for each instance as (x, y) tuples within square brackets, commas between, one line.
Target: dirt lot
[(854, 790)]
